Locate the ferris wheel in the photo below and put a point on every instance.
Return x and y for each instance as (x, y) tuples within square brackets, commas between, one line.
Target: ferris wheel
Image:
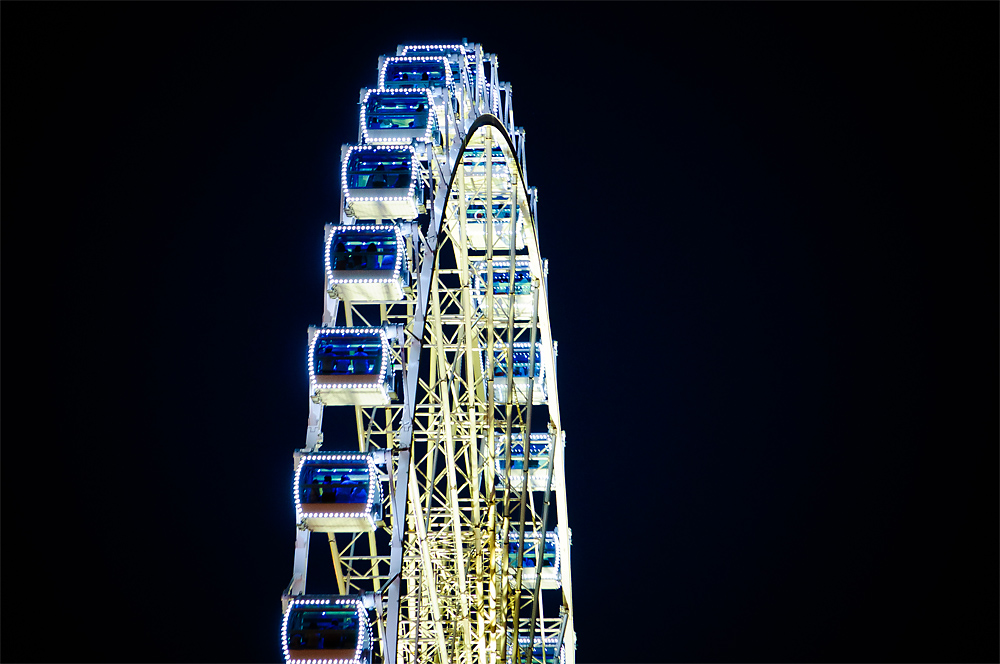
[(445, 510)]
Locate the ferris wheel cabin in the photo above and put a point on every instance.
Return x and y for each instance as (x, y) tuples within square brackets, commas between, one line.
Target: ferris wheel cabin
[(502, 207), (337, 493), (502, 288), (366, 262), (474, 161), (547, 567), (539, 449), (521, 369), (350, 366), (412, 72), (543, 650), (455, 54), (326, 629), (380, 182), (477, 231), (398, 116)]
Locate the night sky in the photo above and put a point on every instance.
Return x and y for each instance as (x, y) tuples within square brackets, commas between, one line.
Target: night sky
[(772, 235)]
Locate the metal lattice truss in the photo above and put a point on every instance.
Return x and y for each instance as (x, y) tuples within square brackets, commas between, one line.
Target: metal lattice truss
[(446, 587)]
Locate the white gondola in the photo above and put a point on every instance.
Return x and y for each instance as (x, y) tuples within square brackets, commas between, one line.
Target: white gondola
[(366, 262), (326, 628), (502, 289), (535, 563), (539, 448), (522, 367), (337, 492), (350, 366), (381, 182)]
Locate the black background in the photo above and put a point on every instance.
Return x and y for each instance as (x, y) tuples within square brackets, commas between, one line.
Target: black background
[(777, 224)]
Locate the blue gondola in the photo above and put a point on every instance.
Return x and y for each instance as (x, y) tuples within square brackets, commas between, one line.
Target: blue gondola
[(475, 212), (502, 289), (381, 182), (415, 72), (327, 628), (366, 262), (503, 211), (399, 116), (456, 55), (547, 567), (522, 365), (540, 446), (337, 492), (350, 366), (543, 651), (474, 160), (502, 206)]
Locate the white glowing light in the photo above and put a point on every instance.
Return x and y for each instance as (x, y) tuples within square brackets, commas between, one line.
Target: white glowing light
[(434, 47)]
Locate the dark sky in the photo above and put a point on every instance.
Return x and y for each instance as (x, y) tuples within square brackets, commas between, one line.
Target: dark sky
[(772, 233)]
